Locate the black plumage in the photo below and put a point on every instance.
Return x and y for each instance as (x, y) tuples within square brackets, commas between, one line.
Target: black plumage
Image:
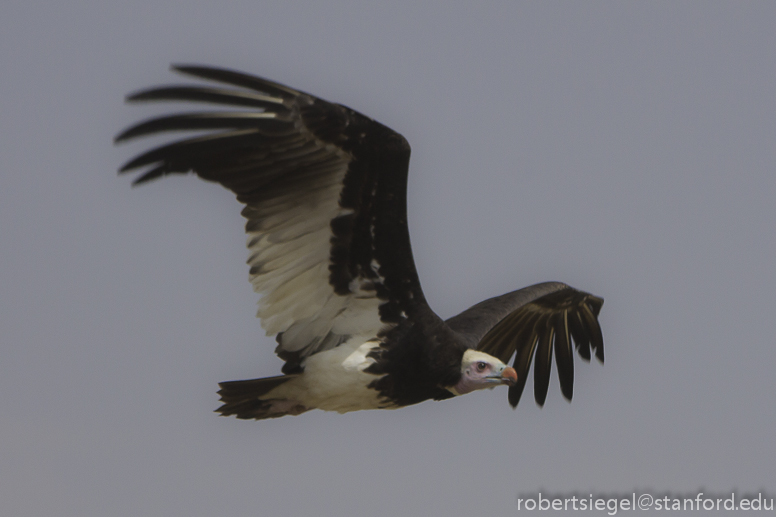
[(325, 195)]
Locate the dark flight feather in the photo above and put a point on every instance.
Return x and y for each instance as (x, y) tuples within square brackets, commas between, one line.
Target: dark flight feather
[(533, 321), (211, 95)]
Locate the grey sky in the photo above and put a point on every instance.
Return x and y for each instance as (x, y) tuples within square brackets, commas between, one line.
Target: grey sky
[(625, 148)]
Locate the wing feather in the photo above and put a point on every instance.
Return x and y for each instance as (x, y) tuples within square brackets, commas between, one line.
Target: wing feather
[(543, 364), (532, 322), (593, 330), (325, 195), (211, 95), (238, 79), (196, 121), (580, 335), (525, 352), (563, 356)]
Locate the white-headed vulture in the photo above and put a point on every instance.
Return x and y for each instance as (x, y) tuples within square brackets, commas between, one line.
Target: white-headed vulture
[(324, 190)]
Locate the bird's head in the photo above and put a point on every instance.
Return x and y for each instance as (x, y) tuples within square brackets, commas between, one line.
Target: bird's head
[(480, 370)]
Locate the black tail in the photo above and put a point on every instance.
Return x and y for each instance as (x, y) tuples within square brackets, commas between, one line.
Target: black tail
[(243, 399)]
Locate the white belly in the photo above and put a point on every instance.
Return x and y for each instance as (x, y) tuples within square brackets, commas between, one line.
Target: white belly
[(335, 380)]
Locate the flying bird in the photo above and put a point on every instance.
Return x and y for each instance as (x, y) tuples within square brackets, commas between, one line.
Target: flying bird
[(324, 189)]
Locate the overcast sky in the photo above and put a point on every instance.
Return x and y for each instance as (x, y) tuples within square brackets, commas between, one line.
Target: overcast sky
[(628, 149)]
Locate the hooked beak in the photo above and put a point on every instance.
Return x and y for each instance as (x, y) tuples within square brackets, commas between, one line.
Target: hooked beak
[(507, 376)]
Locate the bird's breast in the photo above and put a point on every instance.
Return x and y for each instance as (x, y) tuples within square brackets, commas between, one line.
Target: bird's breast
[(336, 380)]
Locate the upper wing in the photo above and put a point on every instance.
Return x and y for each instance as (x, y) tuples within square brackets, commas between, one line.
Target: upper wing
[(532, 319), (325, 195)]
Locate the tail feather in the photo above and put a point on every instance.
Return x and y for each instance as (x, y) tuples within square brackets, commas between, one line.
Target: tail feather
[(243, 399)]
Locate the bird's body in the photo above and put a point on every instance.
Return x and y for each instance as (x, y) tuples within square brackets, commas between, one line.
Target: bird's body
[(333, 380), (329, 251)]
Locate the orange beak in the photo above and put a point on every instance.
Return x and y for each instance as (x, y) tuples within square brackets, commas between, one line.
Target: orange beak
[(509, 376)]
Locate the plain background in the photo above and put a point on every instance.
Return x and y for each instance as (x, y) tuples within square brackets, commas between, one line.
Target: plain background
[(625, 148)]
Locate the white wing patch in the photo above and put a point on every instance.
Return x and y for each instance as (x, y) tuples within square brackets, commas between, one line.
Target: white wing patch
[(290, 256)]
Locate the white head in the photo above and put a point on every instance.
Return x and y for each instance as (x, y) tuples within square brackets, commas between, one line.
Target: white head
[(480, 370)]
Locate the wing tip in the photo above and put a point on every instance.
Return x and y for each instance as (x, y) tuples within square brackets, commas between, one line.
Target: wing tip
[(579, 326), (188, 68), (236, 78)]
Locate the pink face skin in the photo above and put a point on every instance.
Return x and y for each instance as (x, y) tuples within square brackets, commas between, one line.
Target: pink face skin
[(480, 370)]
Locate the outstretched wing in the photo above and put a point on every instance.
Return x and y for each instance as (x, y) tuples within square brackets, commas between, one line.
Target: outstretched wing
[(325, 195), (531, 320)]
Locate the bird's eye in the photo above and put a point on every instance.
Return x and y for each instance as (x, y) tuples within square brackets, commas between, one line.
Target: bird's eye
[(481, 366)]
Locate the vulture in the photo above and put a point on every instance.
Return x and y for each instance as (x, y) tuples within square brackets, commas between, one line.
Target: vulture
[(324, 189)]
